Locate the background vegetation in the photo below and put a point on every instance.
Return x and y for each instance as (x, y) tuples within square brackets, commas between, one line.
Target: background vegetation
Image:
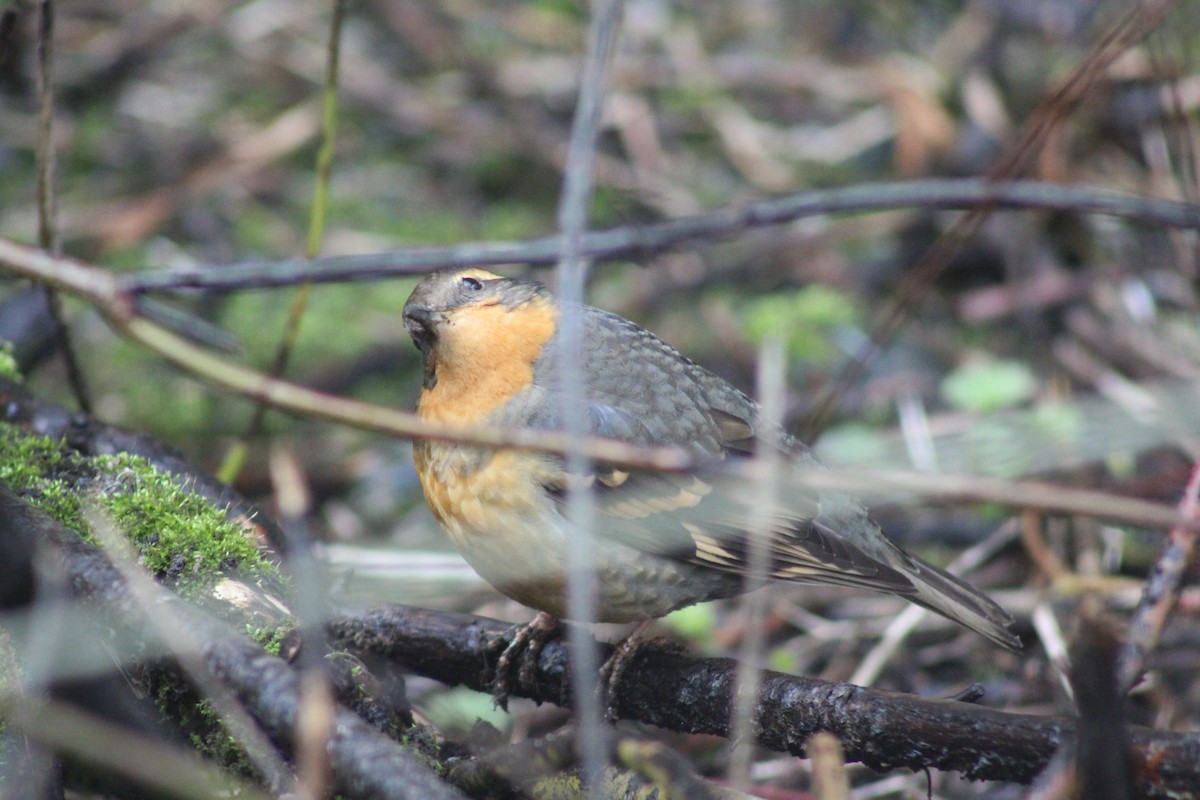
[(186, 134)]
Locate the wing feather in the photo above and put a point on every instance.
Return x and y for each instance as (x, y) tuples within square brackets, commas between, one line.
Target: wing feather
[(702, 519)]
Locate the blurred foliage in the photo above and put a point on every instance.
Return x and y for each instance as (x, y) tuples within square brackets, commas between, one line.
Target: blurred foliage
[(186, 136), (985, 385), (694, 623), (8, 364), (806, 321)]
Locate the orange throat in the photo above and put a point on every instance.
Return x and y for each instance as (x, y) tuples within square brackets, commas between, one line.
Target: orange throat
[(484, 356)]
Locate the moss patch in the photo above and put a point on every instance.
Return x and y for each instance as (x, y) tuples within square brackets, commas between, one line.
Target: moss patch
[(178, 535), (8, 364), (271, 639)]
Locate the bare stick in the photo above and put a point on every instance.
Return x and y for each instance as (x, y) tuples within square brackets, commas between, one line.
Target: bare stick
[(1162, 586), (626, 241)]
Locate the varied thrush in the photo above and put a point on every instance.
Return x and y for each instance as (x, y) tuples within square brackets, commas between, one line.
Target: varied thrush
[(662, 540)]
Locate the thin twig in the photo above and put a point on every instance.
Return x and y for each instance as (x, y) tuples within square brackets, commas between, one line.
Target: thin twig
[(47, 199), (626, 241), (767, 492), (300, 400), (571, 272), (1046, 497), (1162, 586), (316, 227), (828, 767), (309, 603)]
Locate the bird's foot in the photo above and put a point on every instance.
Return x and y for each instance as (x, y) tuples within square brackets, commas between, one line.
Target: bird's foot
[(614, 667), (520, 658)]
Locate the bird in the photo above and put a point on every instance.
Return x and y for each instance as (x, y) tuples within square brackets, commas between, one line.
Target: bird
[(491, 348)]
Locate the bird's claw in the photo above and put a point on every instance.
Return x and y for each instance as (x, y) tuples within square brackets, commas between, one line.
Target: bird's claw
[(520, 658), (613, 669)]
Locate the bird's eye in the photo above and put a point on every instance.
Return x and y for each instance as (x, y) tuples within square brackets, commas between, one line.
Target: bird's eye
[(473, 284)]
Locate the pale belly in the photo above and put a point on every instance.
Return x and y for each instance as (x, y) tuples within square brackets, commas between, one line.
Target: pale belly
[(512, 534)]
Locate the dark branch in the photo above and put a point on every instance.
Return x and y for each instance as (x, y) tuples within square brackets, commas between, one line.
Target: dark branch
[(364, 763), (882, 729), (968, 193)]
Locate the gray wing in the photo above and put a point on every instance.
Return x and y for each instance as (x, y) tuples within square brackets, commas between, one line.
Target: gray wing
[(641, 390)]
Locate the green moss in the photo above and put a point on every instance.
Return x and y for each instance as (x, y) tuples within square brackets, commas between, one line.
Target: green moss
[(564, 786), (207, 734), (8, 364), (25, 461), (271, 639), (178, 535), (423, 742)]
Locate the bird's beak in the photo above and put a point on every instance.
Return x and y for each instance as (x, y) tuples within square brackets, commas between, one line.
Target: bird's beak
[(421, 322)]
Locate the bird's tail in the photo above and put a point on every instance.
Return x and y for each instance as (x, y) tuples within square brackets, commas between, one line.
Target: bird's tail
[(942, 593)]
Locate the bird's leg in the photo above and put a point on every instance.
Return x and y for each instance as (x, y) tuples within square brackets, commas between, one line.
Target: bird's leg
[(521, 657), (613, 668)]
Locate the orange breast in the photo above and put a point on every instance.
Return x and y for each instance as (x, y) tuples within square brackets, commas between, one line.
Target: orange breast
[(491, 503), (473, 495), (485, 355)]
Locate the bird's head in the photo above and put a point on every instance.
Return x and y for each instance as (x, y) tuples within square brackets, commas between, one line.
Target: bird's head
[(470, 321)]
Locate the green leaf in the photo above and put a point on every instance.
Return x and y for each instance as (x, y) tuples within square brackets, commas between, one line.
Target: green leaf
[(805, 320), (987, 385)]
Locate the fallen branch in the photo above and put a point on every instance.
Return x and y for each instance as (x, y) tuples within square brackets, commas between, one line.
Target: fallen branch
[(885, 730), (364, 763)]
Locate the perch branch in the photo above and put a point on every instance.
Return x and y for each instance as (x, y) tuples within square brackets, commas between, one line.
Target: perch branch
[(882, 729)]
